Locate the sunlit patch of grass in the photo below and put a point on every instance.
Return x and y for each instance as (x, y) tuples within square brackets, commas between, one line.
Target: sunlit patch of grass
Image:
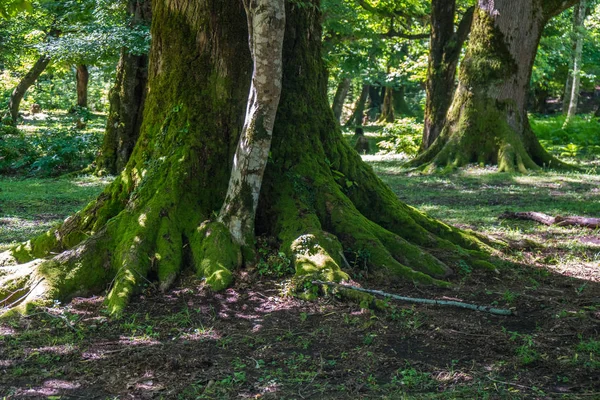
[(28, 207)]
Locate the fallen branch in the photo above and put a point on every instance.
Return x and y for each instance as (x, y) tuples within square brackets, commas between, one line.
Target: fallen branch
[(491, 310), (592, 223)]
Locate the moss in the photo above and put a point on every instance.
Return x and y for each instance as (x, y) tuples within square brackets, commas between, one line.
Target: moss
[(488, 59), (215, 255)]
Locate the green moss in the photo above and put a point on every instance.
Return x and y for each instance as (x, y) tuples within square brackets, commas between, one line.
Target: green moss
[(215, 254)]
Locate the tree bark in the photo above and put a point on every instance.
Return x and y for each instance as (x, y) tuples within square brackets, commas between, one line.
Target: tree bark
[(82, 77), (575, 73), (340, 97), (387, 107), (318, 198), (266, 26), (444, 52), (357, 116), (126, 98), (487, 122), (29, 79)]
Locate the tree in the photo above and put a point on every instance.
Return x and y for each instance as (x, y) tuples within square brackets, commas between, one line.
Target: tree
[(29, 79), (444, 51), (487, 122), (318, 198), (340, 96), (359, 107), (82, 77), (127, 96), (571, 97)]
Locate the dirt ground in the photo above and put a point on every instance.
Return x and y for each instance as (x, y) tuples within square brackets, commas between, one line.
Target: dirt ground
[(249, 342)]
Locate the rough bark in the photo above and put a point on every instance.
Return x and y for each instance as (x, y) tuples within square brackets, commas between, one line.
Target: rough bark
[(387, 107), (266, 25), (573, 83), (126, 98), (82, 77), (318, 198), (356, 119), (340, 97), (444, 52), (29, 79), (487, 122)]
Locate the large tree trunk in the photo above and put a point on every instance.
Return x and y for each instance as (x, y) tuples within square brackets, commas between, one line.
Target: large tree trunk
[(318, 198), (487, 122), (444, 51), (340, 97), (82, 77), (126, 100), (29, 79), (359, 107), (572, 96)]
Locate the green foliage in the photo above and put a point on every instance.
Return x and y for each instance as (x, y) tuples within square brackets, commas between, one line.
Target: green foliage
[(272, 263), (404, 136), (49, 152), (579, 138)]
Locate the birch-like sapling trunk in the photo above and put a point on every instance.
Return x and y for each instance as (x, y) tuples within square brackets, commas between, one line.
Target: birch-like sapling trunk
[(575, 75), (266, 26)]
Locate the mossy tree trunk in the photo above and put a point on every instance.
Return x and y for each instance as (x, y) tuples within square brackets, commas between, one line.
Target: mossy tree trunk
[(126, 100), (444, 51), (29, 79), (82, 76), (340, 97), (318, 198), (487, 122)]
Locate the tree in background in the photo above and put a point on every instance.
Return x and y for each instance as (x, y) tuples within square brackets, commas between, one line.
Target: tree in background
[(571, 97), (318, 198), (445, 47), (128, 95), (487, 122)]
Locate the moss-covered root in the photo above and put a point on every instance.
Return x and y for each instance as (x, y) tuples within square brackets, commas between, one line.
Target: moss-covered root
[(215, 254), (80, 271), (20, 285)]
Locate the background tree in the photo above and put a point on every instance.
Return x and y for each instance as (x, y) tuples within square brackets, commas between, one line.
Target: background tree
[(445, 47), (487, 122), (318, 197), (127, 96)]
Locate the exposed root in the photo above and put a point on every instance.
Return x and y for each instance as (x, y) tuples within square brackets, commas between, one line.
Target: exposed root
[(215, 254)]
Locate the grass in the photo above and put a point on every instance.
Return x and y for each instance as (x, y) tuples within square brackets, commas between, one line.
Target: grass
[(29, 207)]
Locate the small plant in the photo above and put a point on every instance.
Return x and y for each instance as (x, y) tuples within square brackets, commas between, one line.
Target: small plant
[(526, 352), (272, 263)]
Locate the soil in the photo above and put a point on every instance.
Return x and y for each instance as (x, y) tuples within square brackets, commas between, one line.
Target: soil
[(252, 342)]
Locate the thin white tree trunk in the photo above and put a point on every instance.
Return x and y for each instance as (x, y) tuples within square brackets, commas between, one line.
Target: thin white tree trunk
[(576, 73), (266, 26)]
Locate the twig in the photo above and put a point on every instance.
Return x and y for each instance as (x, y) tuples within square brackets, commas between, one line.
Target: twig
[(491, 310)]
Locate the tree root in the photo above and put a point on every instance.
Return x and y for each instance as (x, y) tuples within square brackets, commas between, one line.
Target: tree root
[(585, 222), (491, 310)]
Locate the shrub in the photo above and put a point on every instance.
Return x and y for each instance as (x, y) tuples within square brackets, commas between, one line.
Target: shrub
[(50, 152), (403, 136)]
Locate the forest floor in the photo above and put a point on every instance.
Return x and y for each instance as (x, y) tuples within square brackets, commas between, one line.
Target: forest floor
[(252, 342)]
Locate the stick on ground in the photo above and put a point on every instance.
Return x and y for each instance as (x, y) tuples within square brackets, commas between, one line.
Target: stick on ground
[(592, 223), (491, 310)]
